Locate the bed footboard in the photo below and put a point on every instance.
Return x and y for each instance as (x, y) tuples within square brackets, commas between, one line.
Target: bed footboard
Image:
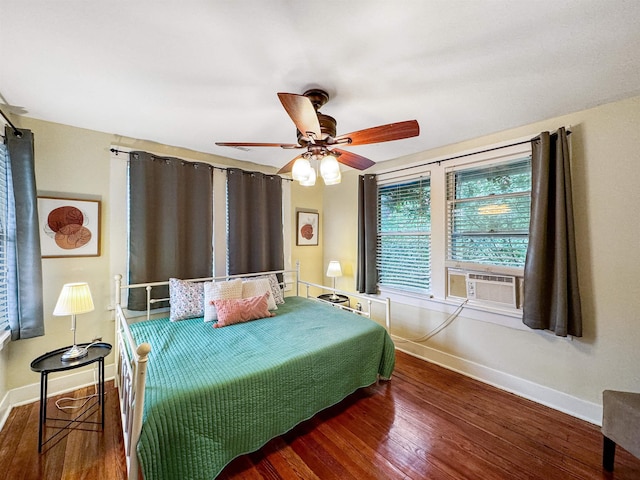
[(131, 371)]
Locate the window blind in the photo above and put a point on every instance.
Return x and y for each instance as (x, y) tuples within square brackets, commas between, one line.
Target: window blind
[(488, 209), (404, 235), (4, 239)]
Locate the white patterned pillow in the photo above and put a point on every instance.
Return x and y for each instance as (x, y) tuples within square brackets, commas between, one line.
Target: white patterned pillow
[(229, 290), (276, 291), (255, 288), (186, 299)]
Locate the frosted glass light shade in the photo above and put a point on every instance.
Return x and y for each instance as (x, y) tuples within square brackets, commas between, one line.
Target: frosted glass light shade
[(74, 298), (301, 169), (333, 180), (334, 269), (329, 167), (311, 180)]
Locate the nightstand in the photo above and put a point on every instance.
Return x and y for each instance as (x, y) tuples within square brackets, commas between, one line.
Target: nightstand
[(339, 300), (52, 362)]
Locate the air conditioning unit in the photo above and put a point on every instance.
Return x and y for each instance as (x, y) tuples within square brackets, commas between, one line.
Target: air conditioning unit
[(483, 288)]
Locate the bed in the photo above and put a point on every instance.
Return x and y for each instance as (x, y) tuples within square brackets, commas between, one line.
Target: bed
[(194, 397)]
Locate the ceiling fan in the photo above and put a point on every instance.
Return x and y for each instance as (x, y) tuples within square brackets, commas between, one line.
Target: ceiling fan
[(316, 132)]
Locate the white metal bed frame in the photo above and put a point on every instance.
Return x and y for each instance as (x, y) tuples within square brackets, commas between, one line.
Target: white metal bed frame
[(132, 359)]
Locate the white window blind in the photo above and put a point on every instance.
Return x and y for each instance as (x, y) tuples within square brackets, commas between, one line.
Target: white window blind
[(4, 238), (488, 211), (404, 235)]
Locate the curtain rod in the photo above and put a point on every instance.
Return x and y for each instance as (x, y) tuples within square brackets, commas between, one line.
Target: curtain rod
[(16, 132), (223, 169), (464, 155)]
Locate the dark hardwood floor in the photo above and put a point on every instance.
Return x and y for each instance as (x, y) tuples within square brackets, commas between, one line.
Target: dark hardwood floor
[(427, 423)]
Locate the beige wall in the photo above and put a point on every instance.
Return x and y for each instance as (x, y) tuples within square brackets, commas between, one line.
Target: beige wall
[(72, 162), (77, 162), (341, 229), (4, 389), (308, 199), (606, 183), (606, 176)]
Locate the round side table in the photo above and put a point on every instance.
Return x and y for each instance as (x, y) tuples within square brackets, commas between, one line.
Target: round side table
[(338, 299)]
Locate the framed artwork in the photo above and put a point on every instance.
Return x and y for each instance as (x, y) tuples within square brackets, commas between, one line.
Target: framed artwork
[(69, 227), (307, 228)]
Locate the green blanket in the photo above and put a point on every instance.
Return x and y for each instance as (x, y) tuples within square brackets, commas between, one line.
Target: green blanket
[(213, 394)]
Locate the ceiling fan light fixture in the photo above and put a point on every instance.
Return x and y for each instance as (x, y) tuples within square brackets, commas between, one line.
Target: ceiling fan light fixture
[(301, 169), (333, 180), (329, 167), (311, 180)]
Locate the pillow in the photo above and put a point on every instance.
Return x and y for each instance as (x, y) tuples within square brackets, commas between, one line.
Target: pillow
[(276, 291), (242, 310), (253, 288), (231, 289), (186, 299)]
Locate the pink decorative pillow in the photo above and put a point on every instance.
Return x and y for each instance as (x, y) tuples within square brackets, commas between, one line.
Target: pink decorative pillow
[(254, 288), (232, 311)]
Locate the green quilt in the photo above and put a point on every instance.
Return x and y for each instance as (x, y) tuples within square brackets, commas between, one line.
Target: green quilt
[(213, 394)]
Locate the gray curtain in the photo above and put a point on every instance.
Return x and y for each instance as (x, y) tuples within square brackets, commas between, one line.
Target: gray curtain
[(26, 317), (170, 222), (254, 216), (551, 293), (367, 274)]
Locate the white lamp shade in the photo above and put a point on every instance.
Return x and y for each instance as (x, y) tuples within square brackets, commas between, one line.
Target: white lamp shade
[(301, 169), (311, 180), (333, 180), (74, 298), (329, 167), (334, 269)]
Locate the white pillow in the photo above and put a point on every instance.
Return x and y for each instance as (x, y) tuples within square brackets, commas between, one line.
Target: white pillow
[(255, 288), (230, 290), (275, 287)]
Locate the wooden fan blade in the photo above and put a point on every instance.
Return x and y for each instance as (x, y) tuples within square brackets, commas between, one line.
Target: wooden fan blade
[(301, 111), (383, 133), (251, 144), (352, 160), (288, 167)]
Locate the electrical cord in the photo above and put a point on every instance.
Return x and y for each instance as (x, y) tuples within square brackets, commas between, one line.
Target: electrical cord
[(439, 328), (86, 398)]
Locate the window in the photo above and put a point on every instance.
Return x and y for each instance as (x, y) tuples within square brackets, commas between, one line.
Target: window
[(488, 210), (457, 232), (404, 235), (5, 190)]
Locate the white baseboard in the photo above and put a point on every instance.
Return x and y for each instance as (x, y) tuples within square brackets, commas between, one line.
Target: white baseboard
[(5, 410), (56, 385), (555, 399)]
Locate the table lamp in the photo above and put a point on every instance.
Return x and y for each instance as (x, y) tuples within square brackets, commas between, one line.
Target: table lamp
[(334, 271), (74, 298)]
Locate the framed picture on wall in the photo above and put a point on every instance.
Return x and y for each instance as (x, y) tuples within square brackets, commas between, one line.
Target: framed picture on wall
[(307, 228), (69, 227)]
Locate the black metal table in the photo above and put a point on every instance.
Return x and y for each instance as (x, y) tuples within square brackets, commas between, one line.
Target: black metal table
[(52, 362), (342, 299)]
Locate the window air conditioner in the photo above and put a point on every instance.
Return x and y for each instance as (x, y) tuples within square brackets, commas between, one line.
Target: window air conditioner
[(483, 288)]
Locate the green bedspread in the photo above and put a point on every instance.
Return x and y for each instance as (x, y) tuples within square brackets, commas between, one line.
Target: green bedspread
[(216, 393)]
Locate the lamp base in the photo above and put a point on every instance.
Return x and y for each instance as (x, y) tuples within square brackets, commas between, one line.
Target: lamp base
[(74, 353)]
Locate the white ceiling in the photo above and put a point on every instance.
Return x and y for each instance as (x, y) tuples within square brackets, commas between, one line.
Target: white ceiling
[(192, 72)]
